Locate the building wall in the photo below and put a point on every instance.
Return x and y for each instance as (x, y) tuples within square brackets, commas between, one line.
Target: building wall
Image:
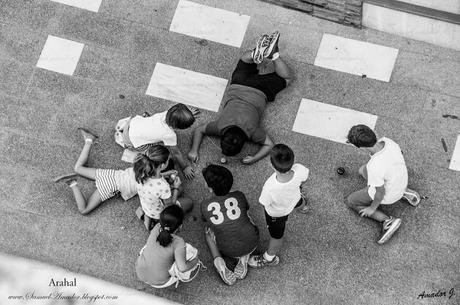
[(348, 12)]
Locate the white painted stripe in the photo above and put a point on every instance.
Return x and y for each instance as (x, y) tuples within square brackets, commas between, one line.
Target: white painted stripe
[(356, 57), (60, 55), (328, 121), (90, 5), (455, 160), (210, 23), (188, 87)]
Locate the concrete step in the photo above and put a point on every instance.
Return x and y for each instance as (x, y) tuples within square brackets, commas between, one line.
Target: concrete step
[(417, 22)]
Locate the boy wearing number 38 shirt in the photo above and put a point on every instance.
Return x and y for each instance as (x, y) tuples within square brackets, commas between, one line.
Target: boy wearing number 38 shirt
[(229, 231)]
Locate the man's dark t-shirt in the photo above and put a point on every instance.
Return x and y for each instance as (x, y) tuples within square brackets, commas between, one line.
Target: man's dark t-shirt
[(228, 218), (244, 107)]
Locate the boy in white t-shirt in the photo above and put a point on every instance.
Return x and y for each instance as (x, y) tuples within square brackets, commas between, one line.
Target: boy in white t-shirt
[(386, 175), (140, 132), (280, 195)]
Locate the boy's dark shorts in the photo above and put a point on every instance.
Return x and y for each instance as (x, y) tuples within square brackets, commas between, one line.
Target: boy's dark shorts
[(247, 75), (277, 225)]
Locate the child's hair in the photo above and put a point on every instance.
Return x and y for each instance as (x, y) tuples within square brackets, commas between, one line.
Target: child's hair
[(170, 220), (179, 116), (361, 136), (232, 140), (218, 178), (282, 158), (145, 164)]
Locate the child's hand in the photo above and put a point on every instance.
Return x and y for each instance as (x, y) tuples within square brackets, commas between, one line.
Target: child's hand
[(189, 172), (177, 182), (192, 156), (168, 174), (367, 212), (248, 160)]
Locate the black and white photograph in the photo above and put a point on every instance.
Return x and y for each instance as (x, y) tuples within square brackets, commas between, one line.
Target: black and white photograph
[(256, 152)]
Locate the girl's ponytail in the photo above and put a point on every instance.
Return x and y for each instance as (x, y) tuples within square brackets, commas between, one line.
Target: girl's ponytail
[(158, 154), (145, 164), (170, 220), (165, 237), (143, 168)]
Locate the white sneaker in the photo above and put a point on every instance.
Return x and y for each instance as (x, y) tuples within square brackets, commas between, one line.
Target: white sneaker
[(241, 268), (412, 197), (226, 275), (388, 228)]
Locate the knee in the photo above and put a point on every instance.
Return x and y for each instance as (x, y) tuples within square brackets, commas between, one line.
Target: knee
[(349, 202), (186, 204), (83, 212)]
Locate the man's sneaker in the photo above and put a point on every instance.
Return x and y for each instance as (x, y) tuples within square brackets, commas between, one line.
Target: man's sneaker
[(241, 268), (262, 44), (67, 179), (87, 134), (389, 227), (226, 275), (412, 197), (259, 261), (273, 47)]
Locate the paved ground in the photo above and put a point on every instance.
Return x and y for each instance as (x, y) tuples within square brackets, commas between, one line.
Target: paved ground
[(330, 255)]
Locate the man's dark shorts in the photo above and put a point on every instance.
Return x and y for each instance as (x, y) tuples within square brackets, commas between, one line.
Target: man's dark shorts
[(277, 225), (247, 75)]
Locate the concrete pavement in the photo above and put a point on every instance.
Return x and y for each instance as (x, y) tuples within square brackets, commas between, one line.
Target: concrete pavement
[(330, 255)]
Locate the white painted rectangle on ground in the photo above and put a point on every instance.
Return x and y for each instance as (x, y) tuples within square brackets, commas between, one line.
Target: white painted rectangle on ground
[(90, 5), (210, 23), (455, 160), (187, 87), (60, 55), (328, 121), (356, 57)]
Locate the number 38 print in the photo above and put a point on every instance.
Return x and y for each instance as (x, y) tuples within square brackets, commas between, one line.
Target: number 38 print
[(232, 211)]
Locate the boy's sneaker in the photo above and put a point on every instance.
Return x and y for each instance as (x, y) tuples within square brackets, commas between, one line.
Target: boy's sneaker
[(226, 275), (241, 268), (388, 228), (259, 261), (412, 197), (273, 47), (67, 179), (262, 44), (87, 134), (304, 208)]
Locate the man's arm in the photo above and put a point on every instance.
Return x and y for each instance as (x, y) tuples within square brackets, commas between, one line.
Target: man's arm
[(379, 194), (185, 167), (198, 135), (263, 151)]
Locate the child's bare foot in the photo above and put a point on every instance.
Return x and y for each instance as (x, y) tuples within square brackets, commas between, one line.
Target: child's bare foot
[(87, 134), (67, 179)]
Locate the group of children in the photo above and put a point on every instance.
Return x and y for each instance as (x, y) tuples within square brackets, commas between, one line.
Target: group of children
[(167, 259)]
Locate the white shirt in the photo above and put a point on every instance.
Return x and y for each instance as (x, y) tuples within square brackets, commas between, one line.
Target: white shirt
[(387, 168), (280, 198), (126, 182), (151, 129)]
